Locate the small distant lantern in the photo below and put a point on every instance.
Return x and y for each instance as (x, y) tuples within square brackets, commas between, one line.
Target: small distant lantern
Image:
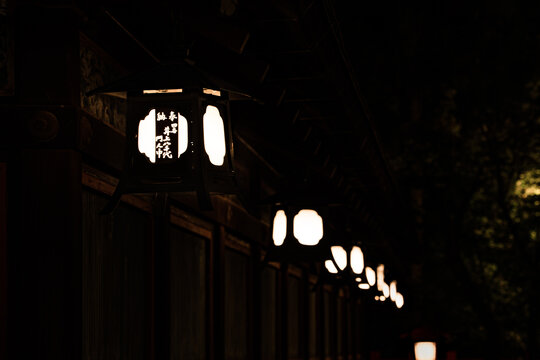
[(425, 340), (298, 233), (368, 280), (350, 260), (178, 133), (381, 284), (399, 301), (425, 350), (298, 225), (347, 263), (370, 276), (393, 290)]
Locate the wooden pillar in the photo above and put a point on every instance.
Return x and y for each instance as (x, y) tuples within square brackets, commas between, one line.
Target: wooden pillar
[(333, 324), (44, 243), (217, 271), (3, 260), (320, 322), (254, 300), (283, 323), (304, 316), (162, 279)]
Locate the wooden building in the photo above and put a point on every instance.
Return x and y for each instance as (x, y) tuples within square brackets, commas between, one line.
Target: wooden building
[(77, 284)]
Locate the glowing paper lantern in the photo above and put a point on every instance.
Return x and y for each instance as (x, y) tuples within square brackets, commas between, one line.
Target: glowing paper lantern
[(298, 225), (308, 227), (425, 350), (357, 260), (340, 256), (393, 290), (178, 133), (214, 136), (380, 277), (386, 290), (399, 301), (330, 267), (370, 275), (279, 228)]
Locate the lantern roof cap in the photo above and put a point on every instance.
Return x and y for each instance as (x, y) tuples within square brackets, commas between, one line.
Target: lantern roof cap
[(172, 75)]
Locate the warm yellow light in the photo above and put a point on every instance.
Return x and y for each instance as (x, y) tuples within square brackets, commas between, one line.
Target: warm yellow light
[(340, 256), (363, 286), (425, 350), (214, 135), (380, 277), (358, 279), (393, 290), (399, 300), (308, 227), (147, 136), (329, 264), (212, 92), (182, 134), (162, 91), (280, 228), (357, 260), (370, 275), (377, 297), (386, 290), (382, 298)]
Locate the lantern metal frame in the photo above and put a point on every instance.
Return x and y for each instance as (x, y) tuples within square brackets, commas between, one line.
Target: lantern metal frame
[(184, 89), (300, 194), (291, 250), (346, 276)]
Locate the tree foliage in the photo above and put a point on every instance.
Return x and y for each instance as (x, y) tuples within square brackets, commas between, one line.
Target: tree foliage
[(477, 172)]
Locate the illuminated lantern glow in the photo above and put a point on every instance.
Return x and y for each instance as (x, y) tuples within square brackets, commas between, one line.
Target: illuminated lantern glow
[(182, 135), (214, 135), (357, 260), (380, 277), (358, 279), (425, 350), (376, 297), (163, 91), (147, 136), (393, 290), (280, 228), (370, 275), (399, 300), (340, 256), (386, 290), (308, 227), (178, 133), (173, 129), (382, 298), (329, 264), (363, 286)]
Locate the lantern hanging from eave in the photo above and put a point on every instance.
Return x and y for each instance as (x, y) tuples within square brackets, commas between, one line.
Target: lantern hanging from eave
[(346, 263), (299, 219), (425, 350), (382, 286), (393, 290), (400, 301), (345, 260), (178, 133)]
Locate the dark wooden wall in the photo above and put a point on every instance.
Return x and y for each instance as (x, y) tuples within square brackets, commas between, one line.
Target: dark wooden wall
[(289, 321), (115, 269), (83, 284)]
